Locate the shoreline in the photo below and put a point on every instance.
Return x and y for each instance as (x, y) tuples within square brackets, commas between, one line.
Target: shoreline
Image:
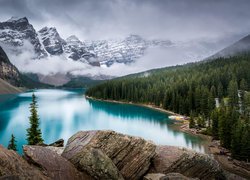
[(137, 104), (181, 125), (209, 145)]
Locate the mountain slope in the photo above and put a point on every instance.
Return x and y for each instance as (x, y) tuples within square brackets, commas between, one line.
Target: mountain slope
[(6, 88), (241, 46)]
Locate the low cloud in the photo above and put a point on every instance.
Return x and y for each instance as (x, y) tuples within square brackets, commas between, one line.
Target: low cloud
[(23, 59)]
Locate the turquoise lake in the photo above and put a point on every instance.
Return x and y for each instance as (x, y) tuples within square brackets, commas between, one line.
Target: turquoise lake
[(64, 112)]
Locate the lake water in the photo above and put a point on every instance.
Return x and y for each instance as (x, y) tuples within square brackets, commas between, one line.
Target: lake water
[(64, 112)]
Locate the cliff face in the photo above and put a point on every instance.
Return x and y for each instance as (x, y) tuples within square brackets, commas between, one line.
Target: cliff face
[(108, 155), (8, 71)]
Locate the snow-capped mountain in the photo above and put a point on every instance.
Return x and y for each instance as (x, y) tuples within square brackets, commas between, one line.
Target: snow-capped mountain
[(77, 50), (18, 37), (124, 51), (48, 42), (16, 31), (51, 40)]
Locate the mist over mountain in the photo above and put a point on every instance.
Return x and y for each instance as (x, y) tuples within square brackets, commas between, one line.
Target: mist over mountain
[(103, 40), (30, 50)]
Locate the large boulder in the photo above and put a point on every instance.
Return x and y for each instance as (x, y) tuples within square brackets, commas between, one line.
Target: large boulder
[(97, 164), (13, 166), (170, 176), (154, 176), (189, 163), (53, 165), (131, 155)]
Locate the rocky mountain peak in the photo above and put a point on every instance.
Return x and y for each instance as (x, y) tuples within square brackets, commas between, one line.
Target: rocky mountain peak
[(17, 24), (18, 19), (15, 19), (51, 40), (16, 31)]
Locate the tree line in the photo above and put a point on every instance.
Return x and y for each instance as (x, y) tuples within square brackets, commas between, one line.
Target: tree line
[(191, 90)]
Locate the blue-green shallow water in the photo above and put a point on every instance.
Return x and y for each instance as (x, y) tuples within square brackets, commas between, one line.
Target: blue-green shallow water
[(64, 112)]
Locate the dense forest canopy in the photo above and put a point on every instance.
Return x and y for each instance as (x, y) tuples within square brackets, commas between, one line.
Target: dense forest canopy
[(191, 90)]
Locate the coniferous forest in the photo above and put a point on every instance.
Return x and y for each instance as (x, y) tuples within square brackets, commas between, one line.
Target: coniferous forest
[(193, 90)]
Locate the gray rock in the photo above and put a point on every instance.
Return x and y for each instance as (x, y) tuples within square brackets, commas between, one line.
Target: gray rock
[(131, 155), (189, 163), (170, 176), (97, 164), (154, 176), (54, 165), (13, 166), (58, 150), (176, 176)]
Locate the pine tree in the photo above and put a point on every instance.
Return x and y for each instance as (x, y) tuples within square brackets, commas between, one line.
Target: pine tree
[(34, 135), (236, 139), (191, 121), (233, 93), (214, 117), (12, 144)]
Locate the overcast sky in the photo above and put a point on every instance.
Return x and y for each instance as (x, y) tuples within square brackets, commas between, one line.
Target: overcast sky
[(178, 20), (199, 28)]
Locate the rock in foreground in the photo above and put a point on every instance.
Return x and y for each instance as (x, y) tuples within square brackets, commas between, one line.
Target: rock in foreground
[(53, 165), (107, 155), (13, 166), (189, 163), (131, 155), (96, 163), (170, 176)]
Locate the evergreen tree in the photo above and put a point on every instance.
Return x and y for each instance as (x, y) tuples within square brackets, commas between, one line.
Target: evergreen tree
[(233, 93), (12, 144), (243, 88), (34, 135), (190, 89), (245, 149), (236, 139), (215, 119), (191, 121)]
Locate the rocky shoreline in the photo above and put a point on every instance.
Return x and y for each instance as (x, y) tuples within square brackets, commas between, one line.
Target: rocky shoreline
[(107, 155)]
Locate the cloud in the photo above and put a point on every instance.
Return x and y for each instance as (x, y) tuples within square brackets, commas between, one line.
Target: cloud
[(198, 28), (98, 19), (154, 58)]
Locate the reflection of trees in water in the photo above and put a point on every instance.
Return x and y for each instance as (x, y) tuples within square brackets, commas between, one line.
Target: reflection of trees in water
[(7, 103), (130, 112), (192, 141)]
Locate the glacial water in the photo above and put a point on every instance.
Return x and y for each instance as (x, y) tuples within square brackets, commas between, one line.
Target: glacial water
[(65, 112)]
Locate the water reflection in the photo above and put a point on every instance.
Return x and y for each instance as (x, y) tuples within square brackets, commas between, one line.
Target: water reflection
[(63, 113)]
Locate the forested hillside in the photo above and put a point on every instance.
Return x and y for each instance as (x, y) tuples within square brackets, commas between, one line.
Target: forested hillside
[(191, 90)]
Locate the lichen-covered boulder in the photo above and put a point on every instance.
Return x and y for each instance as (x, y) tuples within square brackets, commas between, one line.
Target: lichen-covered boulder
[(97, 164), (131, 155), (170, 159), (52, 164)]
